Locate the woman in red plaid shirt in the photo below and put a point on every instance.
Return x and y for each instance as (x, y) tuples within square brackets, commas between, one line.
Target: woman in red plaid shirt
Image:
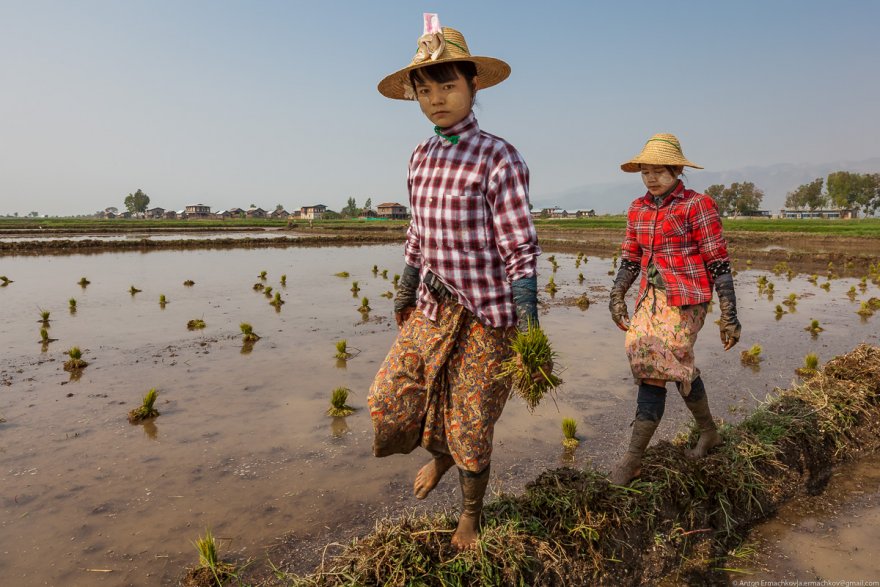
[(674, 240), (469, 279)]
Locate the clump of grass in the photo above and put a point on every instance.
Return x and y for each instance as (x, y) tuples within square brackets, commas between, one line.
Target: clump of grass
[(342, 349), (4, 281), (44, 317), (375, 269), (813, 278), (532, 355), (267, 291), (874, 303), (365, 306), (262, 275), (851, 294), (826, 286), (83, 282), (762, 283), (863, 283), (355, 287), (814, 328), (259, 286), (162, 300), (71, 305), (779, 311), (384, 274), (247, 333), (751, 356), (133, 290), (284, 280), (581, 277), (44, 337), (569, 431), (342, 274), (211, 570), (865, 310), (277, 301), (790, 274), (551, 287), (583, 302), (780, 268), (811, 364), (146, 410), (770, 288), (338, 407), (189, 283), (791, 300), (196, 324), (75, 362)]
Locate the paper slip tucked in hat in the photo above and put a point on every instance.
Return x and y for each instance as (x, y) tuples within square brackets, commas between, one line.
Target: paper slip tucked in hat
[(661, 149), (441, 45)]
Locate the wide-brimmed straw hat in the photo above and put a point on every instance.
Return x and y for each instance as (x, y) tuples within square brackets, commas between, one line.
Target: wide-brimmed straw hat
[(442, 45), (661, 149)]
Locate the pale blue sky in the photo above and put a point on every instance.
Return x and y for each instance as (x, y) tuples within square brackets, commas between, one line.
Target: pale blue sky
[(232, 103)]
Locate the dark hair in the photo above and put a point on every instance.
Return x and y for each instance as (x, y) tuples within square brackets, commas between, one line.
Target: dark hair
[(675, 170), (445, 72)]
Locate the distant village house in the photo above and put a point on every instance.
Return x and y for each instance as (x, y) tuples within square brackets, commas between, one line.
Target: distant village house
[(828, 214), (198, 211), (392, 210), (315, 212)]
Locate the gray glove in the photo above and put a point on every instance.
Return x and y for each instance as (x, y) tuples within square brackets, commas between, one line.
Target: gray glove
[(525, 296), (626, 275), (730, 326), (406, 289)]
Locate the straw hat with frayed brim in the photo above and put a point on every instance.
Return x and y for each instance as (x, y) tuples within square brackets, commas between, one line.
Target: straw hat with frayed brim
[(491, 71), (661, 149)]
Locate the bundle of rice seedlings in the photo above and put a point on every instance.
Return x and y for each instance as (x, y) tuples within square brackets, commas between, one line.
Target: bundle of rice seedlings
[(44, 337), (267, 291), (791, 300), (826, 286), (338, 407), (365, 306), (526, 368), (196, 324), (779, 311), (770, 288), (75, 362), (277, 301), (851, 294), (790, 274), (262, 275), (189, 283), (874, 303), (387, 294), (4, 281), (284, 280), (751, 356), (342, 274), (395, 280), (780, 268), (211, 570), (342, 349), (133, 290), (384, 274), (71, 304), (44, 317), (569, 430), (580, 277), (162, 300), (83, 282), (259, 286), (865, 310), (146, 409), (811, 364), (551, 286), (375, 269), (355, 287), (583, 302), (814, 328), (813, 278), (247, 332)]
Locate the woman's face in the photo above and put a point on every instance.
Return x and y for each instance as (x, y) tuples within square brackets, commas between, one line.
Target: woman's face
[(658, 179), (445, 103)]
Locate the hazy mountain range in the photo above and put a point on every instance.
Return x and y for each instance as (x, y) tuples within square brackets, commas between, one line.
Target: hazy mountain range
[(776, 181)]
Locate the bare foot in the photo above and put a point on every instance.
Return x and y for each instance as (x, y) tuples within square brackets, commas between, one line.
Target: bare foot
[(465, 537), (429, 476)]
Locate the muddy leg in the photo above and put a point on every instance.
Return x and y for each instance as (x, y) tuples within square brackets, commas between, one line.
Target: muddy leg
[(429, 476)]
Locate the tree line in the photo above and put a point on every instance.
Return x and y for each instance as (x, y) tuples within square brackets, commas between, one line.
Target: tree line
[(842, 189)]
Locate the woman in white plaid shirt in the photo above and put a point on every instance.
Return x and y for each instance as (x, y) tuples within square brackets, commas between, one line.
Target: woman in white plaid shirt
[(469, 279)]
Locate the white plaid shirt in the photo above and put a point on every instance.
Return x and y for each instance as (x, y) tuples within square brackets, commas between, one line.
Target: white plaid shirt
[(471, 225)]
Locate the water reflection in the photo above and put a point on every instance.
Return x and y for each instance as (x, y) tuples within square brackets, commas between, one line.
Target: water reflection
[(150, 429), (338, 427), (341, 364), (75, 374), (246, 347)]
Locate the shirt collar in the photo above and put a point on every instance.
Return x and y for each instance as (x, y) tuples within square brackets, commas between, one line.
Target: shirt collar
[(678, 192), (465, 129)]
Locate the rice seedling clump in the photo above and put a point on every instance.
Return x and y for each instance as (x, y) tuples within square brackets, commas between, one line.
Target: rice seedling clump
[(527, 368), (338, 407), (75, 363), (247, 332), (196, 324), (569, 433), (146, 409), (751, 356)]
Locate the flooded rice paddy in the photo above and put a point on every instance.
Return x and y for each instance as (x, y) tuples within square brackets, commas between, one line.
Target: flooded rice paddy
[(243, 445)]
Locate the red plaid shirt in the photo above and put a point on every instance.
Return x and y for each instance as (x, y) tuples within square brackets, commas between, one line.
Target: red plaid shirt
[(680, 237), (471, 225)]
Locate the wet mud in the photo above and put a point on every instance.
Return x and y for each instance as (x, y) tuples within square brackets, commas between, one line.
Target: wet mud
[(243, 446)]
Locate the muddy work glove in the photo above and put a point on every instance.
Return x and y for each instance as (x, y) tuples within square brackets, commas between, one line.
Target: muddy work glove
[(729, 324), (525, 296), (626, 275), (405, 300)]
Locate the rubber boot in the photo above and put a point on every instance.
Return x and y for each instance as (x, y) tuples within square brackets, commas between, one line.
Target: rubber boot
[(709, 437), (473, 489), (631, 465)]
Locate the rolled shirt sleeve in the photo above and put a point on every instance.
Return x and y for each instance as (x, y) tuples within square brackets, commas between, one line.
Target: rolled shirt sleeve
[(515, 235), (707, 230)]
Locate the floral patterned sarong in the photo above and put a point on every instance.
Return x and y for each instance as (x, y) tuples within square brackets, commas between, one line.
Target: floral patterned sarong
[(660, 340), (437, 388)]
